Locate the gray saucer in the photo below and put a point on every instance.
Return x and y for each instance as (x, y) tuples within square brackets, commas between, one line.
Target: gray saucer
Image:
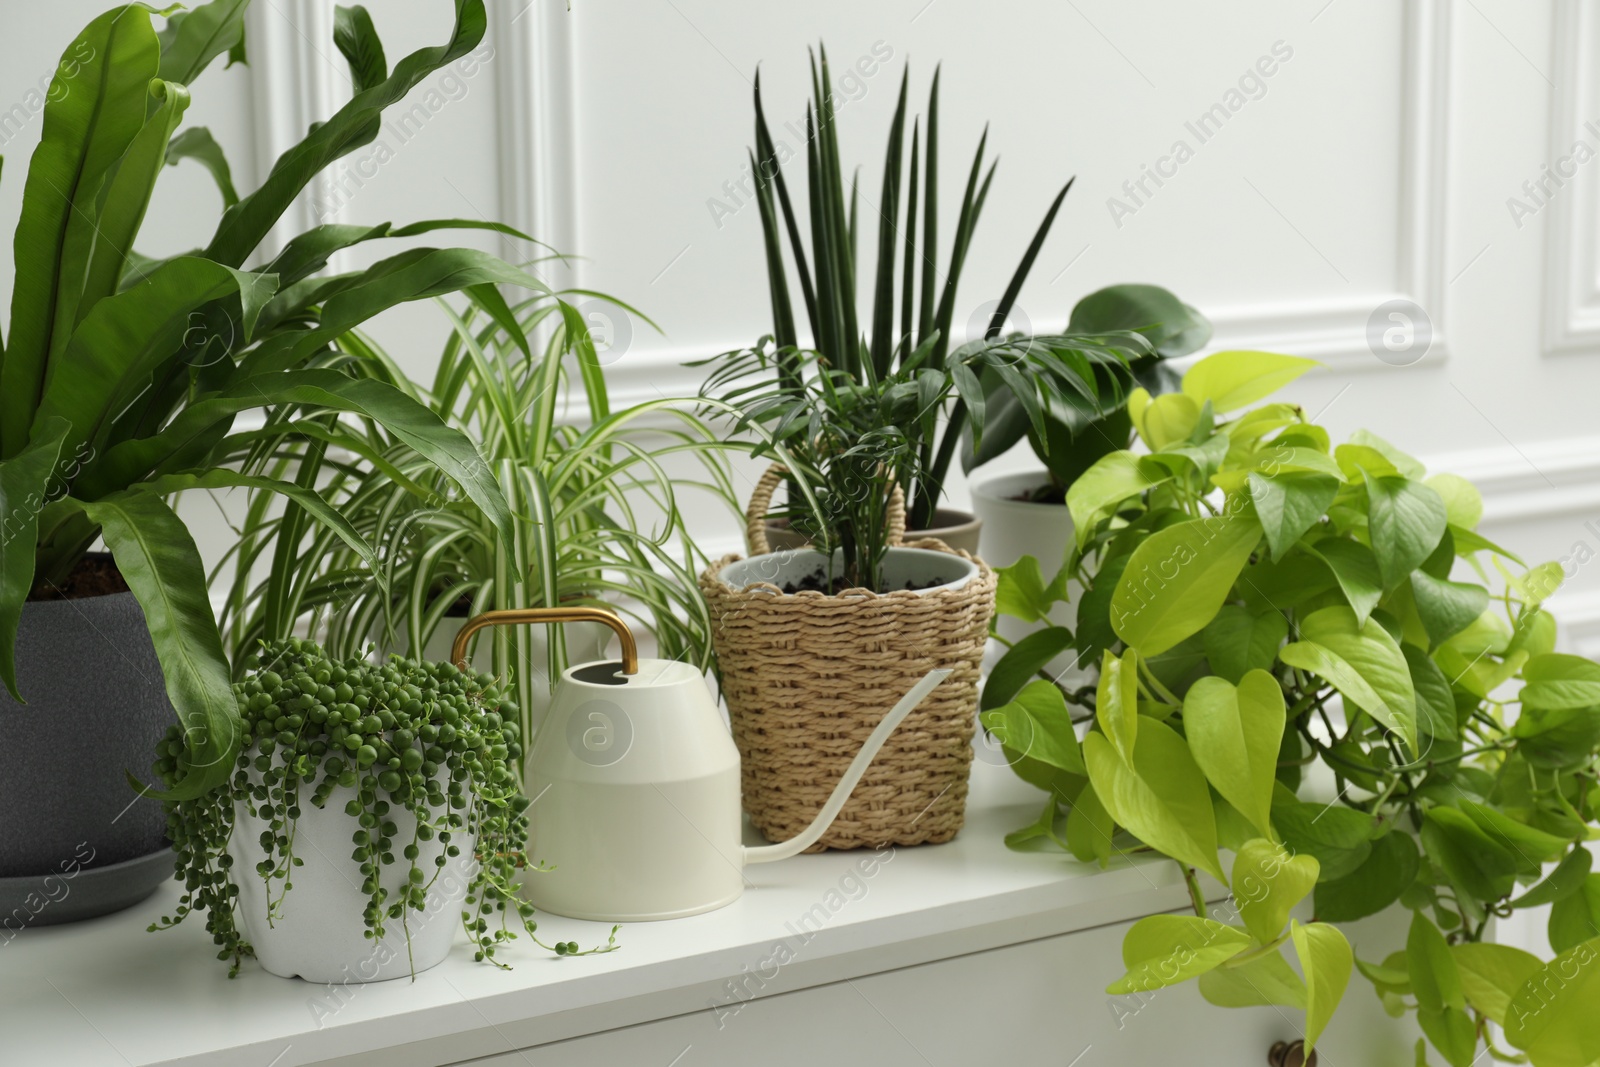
[(45, 899)]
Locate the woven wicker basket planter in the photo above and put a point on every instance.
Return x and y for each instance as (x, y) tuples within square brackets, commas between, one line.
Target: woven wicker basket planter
[(807, 676)]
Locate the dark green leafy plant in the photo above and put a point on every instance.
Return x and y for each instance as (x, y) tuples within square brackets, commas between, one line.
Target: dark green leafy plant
[(847, 446), (850, 443), (425, 738), (122, 375), (1074, 438), (1292, 668), (1053, 390)]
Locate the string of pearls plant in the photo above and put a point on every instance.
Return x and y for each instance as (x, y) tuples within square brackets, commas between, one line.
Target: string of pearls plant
[(426, 738)]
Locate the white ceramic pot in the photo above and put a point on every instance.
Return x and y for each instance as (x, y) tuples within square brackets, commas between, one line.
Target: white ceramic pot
[(318, 931), (925, 569), (1013, 528)]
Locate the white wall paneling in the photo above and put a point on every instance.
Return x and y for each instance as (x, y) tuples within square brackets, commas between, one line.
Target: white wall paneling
[(1543, 501), (1334, 330), (537, 111), (1567, 188), (295, 73)]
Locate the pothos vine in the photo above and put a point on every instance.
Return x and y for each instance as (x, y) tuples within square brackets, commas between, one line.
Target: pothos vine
[(427, 739)]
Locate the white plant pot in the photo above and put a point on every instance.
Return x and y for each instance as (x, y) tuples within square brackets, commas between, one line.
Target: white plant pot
[(924, 568), (1015, 528), (318, 931)]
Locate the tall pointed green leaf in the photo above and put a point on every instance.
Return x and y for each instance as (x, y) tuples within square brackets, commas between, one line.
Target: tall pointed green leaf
[(128, 336), (908, 273), (127, 195), (88, 124), (930, 217), (357, 40), (883, 318), (192, 39), (1014, 287), (768, 169), (966, 220), (777, 280), (245, 224)]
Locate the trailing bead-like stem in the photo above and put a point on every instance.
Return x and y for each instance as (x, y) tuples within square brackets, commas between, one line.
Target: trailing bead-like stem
[(425, 738)]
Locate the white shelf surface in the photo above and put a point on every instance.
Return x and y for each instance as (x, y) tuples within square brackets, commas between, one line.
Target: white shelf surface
[(105, 992)]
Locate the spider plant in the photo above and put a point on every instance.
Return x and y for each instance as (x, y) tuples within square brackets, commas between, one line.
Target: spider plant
[(1044, 389), (596, 514)]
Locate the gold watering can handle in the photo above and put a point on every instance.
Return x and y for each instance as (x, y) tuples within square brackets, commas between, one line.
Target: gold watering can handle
[(517, 616)]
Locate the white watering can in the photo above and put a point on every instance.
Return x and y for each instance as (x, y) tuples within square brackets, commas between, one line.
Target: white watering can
[(634, 780)]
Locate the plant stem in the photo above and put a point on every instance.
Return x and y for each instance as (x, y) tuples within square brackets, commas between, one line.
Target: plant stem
[(1196, 898), (1155, 684)]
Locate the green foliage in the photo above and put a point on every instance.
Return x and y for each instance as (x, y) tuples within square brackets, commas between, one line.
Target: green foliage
[(439, 743), (122, 374), (1063, 392), (1345, 612), (598, 516)]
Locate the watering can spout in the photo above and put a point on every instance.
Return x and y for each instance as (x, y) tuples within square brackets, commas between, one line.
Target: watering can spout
[(841, 792)]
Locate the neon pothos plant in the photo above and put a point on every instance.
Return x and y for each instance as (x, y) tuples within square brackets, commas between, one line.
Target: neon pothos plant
[(1054, 389), (1309, 658), (122, 375)]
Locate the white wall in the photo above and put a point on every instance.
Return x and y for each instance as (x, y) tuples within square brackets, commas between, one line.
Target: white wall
[(1375, 163)]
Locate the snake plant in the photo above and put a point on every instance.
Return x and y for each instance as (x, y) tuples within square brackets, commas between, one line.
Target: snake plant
[(1053, 389), (122, 375)]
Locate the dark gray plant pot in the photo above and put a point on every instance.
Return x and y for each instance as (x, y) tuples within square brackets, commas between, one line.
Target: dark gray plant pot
[(96, 707)]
